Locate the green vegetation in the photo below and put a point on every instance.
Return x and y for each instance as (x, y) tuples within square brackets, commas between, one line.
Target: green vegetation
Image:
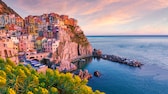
[(25, 80), (78, 37)]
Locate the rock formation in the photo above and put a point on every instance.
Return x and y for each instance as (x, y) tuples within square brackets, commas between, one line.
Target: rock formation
[(73, 43), (122, 60), (83, 74), (97, 74), (66, 66)]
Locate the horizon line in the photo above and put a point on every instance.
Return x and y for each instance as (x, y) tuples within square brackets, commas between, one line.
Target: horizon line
[(126, 35)]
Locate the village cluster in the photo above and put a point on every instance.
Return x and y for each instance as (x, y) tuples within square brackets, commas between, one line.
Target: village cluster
[(32, 38)]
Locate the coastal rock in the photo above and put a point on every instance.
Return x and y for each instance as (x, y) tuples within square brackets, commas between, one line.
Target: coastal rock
[(72, 67), (65, 65), (97, 74), (118, 59), (73, 44), (83, 74), (97, 53)]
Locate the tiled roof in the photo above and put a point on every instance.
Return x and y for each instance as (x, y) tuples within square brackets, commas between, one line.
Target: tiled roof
[(39, 38)]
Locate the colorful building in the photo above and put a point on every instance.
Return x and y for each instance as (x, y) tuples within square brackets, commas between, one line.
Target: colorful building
[(14, 39), (38, 43), (26, 43), (3, 33), (7, 51), (10, 21), (50, 45)]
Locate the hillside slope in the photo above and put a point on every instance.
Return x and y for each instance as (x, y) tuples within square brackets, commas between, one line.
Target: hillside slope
[(5, 9)]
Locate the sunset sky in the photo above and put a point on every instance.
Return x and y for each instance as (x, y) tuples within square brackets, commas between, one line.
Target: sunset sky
[(104, 17)]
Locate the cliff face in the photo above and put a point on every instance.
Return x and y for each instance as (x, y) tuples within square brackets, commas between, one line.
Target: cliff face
[(5, 9), (73, 43)]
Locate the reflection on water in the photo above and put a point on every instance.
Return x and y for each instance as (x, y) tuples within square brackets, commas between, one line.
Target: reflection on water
[(82, 63), (85, 61)]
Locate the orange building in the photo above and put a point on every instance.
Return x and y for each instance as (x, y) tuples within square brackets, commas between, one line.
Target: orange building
[(19, 22)]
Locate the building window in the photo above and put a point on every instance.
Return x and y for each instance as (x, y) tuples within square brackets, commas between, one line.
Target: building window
[(0, 53), (6, 54), (10, 53)]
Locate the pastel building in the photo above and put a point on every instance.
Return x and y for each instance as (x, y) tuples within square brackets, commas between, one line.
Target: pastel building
[(3, 33), (44, 25), (9, 21), (19, 22), (8, 51), (26, 43), (53, 18), (48, 34), (38, 43), (4, 19), (12, 19), (30, 25), (50, 45), (55, 45), (14, 39)]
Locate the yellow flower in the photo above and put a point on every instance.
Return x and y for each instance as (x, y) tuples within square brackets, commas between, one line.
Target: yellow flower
[(10, 91), (29, 92)]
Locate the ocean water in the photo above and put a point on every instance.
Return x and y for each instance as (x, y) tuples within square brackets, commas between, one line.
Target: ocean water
[(152, 78)]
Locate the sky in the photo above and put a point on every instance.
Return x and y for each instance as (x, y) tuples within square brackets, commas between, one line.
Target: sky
[(104, 17)]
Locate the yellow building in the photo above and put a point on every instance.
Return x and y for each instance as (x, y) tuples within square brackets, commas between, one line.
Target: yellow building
[(38, 43)]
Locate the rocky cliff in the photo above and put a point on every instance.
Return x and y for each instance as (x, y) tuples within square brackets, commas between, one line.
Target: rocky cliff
[(5, 9), (73, 43)]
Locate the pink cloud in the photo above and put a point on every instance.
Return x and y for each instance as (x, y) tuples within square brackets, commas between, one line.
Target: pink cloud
[(125, 14), (98, 6), (95, 14)]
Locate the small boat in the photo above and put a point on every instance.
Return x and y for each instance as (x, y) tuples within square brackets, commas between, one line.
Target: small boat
[(82, 60)]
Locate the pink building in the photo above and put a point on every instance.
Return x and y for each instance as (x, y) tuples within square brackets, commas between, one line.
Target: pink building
[(26, 43), (50, 45), (3, 33), (48, 34), (7, 52)]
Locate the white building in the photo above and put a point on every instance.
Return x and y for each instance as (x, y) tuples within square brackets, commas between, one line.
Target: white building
[(15, 39), (50, 45), (55, 45)]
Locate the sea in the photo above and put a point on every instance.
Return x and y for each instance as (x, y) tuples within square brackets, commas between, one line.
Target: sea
[(151, 78)]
